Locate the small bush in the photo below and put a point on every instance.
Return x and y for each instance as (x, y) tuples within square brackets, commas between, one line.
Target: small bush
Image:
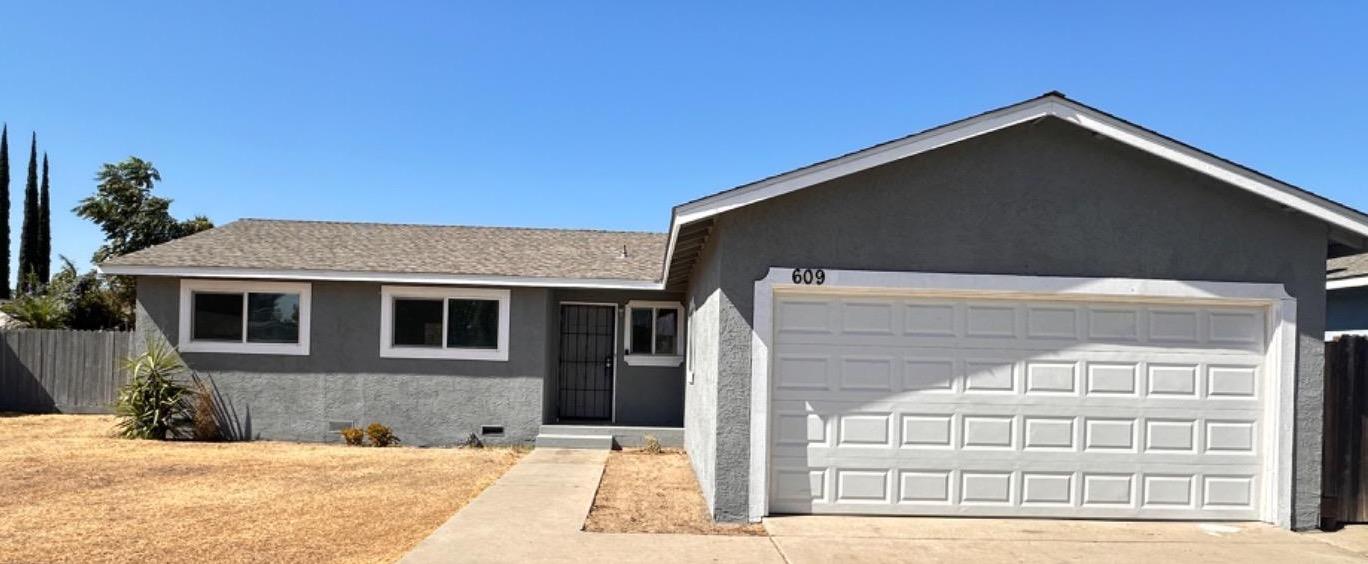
[(650, 445), (152, 405), (203, 414), (380, 435), (473, 441), (354, 436)]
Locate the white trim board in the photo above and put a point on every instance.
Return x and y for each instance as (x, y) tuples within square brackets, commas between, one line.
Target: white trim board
[(1280, 356), (381, 277), (185, 341), (1051, 104), (1342, 283), (389, 350)]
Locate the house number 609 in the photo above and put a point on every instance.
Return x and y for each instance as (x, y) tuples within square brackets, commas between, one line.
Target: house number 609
[(809, 276)]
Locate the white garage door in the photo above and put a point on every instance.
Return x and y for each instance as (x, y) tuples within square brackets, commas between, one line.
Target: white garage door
[(1026, 407)]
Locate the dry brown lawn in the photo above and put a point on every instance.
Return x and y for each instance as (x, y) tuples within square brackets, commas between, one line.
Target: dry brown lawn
[(654, 493), (69, 491)]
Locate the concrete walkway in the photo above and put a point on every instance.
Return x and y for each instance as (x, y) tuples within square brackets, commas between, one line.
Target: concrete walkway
[(534, 513)]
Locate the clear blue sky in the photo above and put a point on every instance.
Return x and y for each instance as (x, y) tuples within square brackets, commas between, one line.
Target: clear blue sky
[(604, 115)]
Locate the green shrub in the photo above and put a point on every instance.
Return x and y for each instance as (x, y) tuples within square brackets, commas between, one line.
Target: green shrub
[(650, 444), (37, 311), (152, 405), (354, 436), (380, 435)]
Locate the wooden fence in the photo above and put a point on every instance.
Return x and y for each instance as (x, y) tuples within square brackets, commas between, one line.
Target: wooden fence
[(1344, 476), (46, 371)]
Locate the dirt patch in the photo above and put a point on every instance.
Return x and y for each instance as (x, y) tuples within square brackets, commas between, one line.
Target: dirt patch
[(71, 492), (654, 493)]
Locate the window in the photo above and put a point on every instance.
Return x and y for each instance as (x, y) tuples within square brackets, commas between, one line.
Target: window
[(223, 316), (454, 323), (654, 332)]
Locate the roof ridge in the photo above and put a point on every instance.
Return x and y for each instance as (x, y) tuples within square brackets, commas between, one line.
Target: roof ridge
[(444, 226)]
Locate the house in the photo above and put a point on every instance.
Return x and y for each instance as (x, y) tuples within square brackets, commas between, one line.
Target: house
[(1042, 310), (1346, 296)]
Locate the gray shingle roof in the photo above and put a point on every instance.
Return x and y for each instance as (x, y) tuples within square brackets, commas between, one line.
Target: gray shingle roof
[(412, 249), (1351, 266)]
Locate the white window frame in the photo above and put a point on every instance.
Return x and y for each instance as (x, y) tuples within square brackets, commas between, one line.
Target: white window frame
[(187, 343), (389, 350), (652, 359)]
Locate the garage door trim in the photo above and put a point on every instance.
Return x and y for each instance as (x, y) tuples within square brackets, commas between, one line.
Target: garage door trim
[(1280, 356)]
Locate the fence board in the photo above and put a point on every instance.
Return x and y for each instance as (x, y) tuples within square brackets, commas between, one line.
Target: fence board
[(1344, 475), (45, 371)]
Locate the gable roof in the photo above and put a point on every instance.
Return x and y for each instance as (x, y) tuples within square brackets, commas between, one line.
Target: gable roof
[(258, 248), (1346, 272), (693, 216), (583, 258)]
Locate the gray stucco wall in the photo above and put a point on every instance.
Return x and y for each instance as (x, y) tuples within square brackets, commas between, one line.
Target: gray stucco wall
[(645, 395), (343, 379), (1037, 199), (1346, 310), (700, 397)]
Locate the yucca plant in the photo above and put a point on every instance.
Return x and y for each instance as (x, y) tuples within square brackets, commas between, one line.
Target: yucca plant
[(153, 404)]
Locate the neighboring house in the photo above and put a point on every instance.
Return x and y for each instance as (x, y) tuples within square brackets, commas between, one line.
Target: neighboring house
[(1346, 296), (1042, 310)]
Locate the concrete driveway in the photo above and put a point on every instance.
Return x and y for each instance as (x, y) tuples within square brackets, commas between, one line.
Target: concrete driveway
[(536, 512), (893, 539)]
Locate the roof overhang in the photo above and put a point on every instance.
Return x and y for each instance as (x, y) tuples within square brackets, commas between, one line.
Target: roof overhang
[(380, 277), (1342, 218)]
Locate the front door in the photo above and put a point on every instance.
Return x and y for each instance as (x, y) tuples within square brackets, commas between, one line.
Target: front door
[(588, 339)]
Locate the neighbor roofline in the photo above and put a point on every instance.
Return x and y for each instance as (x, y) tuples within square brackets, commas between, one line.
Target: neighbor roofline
[(1051, 104), (380, 277)]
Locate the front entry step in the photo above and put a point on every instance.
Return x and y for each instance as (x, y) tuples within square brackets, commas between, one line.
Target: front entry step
[(594, 442)]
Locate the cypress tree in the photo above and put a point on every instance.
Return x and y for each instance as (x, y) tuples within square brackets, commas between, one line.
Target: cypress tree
[(44, 226), (28, 233), (4, 214)]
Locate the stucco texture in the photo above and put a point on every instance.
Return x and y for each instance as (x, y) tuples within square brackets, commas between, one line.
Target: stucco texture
[(343, 379), (1045, 198)]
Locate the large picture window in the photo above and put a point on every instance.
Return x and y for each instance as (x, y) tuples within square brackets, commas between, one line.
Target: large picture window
[(654, 333), (244, 317), (456, 323)]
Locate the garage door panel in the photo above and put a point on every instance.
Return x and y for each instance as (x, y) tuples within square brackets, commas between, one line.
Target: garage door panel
[(1049, 408)]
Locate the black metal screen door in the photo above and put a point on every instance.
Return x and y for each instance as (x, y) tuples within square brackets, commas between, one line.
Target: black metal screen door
[(587, 343)]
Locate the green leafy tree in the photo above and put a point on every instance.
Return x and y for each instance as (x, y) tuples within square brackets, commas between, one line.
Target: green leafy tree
[(91, 302), (4, 214), (28, 234), (44, 226), (132, 219), (130, 216)]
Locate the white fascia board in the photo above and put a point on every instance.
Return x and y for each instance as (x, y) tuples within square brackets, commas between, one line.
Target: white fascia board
[(381, 277), (1355, 282), (1055, 106)]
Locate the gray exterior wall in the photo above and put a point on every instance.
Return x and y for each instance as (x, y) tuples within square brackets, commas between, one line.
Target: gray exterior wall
[(343, 379), (425, 401), (700, 397), (1346, 309), (645, 395), (1037, 199)]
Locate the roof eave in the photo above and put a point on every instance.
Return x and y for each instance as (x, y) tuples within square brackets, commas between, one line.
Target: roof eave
[(378, 277)]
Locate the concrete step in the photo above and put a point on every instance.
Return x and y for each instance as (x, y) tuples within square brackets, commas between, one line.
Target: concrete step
[(595, 442), (623, 435)]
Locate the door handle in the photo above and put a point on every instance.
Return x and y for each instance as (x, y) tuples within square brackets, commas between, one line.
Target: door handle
[(608, 362)]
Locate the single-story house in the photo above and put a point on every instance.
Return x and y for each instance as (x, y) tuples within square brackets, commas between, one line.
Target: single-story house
[(1041, 310), (1346, 296)]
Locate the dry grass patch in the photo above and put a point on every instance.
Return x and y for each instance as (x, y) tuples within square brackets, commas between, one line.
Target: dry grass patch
[(654, 493), (71, 492)]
